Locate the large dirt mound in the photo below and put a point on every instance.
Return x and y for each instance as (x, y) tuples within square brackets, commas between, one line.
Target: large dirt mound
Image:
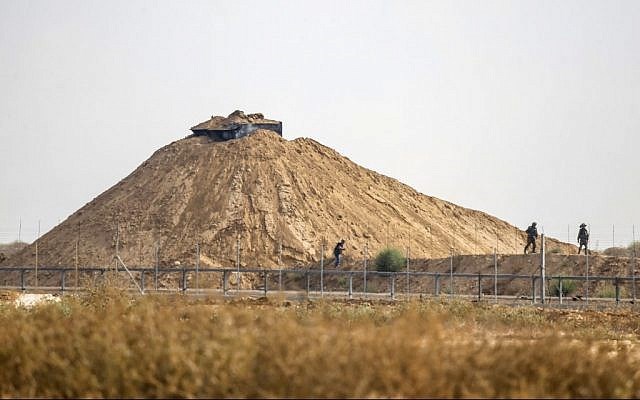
[(278, 198)]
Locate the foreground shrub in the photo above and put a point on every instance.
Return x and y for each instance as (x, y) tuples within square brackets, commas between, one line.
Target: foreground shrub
[(170, 347), (390, 260)]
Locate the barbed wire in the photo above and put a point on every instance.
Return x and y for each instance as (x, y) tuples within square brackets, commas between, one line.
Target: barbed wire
[(601, 237)]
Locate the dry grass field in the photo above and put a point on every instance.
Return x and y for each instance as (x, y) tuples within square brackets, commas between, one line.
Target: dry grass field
[(108, 344)]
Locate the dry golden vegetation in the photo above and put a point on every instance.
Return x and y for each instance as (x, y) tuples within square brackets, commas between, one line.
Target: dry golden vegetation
[(109, 344)]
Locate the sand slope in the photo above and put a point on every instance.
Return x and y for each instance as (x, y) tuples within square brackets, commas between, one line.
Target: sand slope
[(269, 193)]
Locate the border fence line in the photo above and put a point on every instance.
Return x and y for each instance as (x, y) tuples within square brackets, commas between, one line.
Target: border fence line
[(307, 282)]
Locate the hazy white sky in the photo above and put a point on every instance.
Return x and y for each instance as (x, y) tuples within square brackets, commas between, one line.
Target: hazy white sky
[(527, 110)]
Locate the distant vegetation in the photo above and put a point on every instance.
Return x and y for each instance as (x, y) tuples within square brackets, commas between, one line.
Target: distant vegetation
[(390, 260), (108, 344)]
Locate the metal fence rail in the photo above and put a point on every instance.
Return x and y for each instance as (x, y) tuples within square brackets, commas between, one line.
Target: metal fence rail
[(318, 283)]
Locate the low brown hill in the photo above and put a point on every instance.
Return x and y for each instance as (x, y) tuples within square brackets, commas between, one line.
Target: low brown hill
[(268, 193)]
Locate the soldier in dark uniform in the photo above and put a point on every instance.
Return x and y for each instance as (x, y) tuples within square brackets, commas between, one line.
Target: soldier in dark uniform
[(532, 235), (583, 238), (337, 252)]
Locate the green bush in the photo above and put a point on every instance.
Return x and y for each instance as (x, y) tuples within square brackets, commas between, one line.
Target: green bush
[(568, 287), (390, 260)]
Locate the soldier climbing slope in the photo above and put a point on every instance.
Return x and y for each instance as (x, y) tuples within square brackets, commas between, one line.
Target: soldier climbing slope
[(583, 238), (337, 252), (532, 235)]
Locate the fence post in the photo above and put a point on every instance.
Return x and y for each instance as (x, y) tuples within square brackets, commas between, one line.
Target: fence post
[(543, 268), (75, 262), (366, 253), (633, 275), (350, 285), (533, 289), (617, 283), (479, 286), (22, 285), (587, 272), (142, 280), (265, 283), (451, 275), (495, 274), (62, 279), (184, 280), (393, 285), (560, 294), (280, 280), (407, 291), (238, 266), (155, 274), (37, 240), (225, 282), (322, 268), (197, 267)]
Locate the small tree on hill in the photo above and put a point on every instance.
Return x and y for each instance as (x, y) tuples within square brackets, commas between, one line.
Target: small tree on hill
[(390, 260)]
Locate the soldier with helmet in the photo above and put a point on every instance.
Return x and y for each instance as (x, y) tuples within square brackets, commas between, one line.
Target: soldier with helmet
[(337, 252), (532, 235), (583, 238)]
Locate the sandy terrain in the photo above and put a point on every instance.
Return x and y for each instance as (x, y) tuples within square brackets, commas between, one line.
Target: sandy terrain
[(270, 194)]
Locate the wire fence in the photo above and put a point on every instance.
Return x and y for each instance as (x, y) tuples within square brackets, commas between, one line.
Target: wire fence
[(480, 278), (308, 282), (603, 237)]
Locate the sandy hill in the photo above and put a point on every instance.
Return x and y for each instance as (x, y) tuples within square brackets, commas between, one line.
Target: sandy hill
[(270, 194)]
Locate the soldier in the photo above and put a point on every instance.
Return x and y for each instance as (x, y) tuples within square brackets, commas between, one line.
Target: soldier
[(583, 238), (532, 235), (337, 252)]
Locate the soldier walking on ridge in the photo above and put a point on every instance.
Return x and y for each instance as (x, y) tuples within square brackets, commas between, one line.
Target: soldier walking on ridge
[(337, 252), (583, 238), (532, 235)]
